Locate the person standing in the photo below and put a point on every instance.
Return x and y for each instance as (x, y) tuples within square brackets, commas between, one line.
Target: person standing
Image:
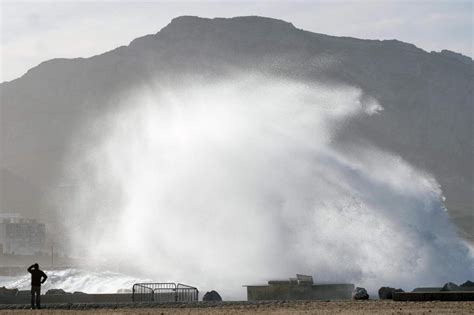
[(38, 277)]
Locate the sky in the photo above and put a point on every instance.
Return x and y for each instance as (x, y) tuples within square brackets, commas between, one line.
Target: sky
[(35, 31)]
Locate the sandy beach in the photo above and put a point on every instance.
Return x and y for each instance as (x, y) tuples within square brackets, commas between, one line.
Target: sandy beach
[(300, 307)]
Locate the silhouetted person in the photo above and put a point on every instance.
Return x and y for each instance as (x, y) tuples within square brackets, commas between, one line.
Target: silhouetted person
[(38, 277)]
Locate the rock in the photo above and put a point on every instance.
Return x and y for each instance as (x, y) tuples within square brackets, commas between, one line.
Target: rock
[(450, 287), (24, 293), (385, 293), (467, 284), (212, 296), (5, 291), (360, 294), (56, 292), (124, 291)]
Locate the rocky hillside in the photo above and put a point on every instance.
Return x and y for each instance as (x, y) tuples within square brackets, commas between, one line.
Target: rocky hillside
[(427, 98)]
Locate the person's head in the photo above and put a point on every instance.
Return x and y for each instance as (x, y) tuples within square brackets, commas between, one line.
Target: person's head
[(36, 266)]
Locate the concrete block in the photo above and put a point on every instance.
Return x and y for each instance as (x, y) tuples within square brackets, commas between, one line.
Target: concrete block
[(434, 296)]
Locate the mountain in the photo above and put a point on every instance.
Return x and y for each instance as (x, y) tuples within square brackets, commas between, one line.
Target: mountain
[(427, 98)]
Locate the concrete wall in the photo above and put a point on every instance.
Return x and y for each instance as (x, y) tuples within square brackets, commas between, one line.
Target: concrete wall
[(300, 292), (434, 296)]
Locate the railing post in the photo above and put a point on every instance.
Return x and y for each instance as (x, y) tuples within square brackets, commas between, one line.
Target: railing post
[(175, 292)]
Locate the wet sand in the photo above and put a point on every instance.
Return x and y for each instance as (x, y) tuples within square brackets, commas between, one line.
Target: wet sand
[(300, 307)]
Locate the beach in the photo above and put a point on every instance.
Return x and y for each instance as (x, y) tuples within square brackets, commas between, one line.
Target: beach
[(274, 307)]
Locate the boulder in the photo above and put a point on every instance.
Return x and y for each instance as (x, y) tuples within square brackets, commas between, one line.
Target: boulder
[(385, 293), (5, 291), (24, 293), (360, 294), (124, 291), (56, 292), (467, 284), (450, 287), (212, 296)]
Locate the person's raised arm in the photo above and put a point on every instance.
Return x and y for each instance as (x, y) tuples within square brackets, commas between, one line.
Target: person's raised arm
[(30, 268)]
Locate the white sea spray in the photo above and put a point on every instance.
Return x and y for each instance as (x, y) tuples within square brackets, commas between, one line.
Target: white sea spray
[(237, 182)]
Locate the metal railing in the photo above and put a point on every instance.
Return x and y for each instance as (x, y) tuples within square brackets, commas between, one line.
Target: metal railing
[(164, 292)]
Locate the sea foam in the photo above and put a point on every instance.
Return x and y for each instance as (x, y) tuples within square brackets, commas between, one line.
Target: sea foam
[(223, 184)]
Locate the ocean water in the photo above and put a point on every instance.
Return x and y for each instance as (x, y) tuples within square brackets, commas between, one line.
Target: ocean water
[(222, 184), (72, 280)]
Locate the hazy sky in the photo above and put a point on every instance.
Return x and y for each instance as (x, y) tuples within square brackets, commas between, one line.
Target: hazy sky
[(35, 31)]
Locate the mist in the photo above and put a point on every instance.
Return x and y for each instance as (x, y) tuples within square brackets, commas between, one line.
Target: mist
[(221, 184)]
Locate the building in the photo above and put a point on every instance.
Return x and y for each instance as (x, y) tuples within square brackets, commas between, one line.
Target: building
[(21, 236), (299, 288)]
